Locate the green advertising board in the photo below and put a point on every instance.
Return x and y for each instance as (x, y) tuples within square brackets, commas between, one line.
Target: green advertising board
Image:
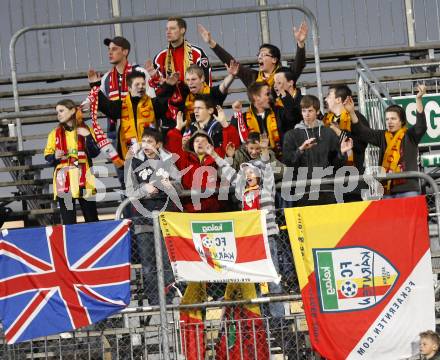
[(432, 111)]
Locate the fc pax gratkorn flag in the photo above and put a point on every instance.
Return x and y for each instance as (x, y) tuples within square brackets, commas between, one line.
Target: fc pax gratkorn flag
[(365, 275), (60, 278), (227, 247)]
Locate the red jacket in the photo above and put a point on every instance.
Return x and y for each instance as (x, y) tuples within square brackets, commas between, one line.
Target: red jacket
[(220, 136), (198, 57), (195, 178)]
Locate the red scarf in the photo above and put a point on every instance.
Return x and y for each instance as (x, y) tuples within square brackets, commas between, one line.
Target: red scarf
[(114, 83), (78, 160), (243, 130), (104, 143)]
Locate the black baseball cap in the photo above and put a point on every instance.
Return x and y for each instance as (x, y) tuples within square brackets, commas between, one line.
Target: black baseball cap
[(119, 41)]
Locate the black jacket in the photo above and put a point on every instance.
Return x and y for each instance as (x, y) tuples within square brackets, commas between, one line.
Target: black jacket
[(248, 75), (325, 153), (409, 149), (142, 170)]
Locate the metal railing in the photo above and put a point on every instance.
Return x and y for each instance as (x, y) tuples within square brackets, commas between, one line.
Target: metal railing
[(329, 181), (121, 20), (130, 335), (373, 97), (285, 185)]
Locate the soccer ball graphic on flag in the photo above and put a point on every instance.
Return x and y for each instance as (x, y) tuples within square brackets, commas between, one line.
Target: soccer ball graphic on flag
[(349, 288), (206, 240)]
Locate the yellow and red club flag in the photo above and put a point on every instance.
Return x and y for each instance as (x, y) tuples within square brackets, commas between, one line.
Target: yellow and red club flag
[(213, 247), (365, 275)]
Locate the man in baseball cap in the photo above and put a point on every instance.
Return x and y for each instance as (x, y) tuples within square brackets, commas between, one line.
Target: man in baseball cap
[(115, 87), (119, 41)]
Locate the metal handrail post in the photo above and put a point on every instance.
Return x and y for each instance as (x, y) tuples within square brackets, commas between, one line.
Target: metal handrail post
[(161, 285), (121, 207), (377, 82), (374, 86), (361, 92), (132, 19), (315, 38)]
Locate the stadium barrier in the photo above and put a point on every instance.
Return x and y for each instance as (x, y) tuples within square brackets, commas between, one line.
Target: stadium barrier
[(150, 328), (290, 288)]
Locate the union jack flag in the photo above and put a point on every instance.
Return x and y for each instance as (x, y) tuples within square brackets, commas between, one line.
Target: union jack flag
[(60, 278)]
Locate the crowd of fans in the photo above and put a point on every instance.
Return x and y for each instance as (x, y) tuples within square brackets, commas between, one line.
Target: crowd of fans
[(171, 133), (168, 112)]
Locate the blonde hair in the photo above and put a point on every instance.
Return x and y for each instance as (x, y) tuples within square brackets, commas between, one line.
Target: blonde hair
[(432, 335)]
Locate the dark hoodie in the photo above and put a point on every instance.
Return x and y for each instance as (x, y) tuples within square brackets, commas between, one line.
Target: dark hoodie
[(325, 153), (142, 170), (201, 172)]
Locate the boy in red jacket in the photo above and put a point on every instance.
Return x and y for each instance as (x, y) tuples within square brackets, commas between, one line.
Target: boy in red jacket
[(200, 168)]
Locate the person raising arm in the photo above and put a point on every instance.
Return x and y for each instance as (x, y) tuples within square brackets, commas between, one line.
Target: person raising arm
[(398, 144)]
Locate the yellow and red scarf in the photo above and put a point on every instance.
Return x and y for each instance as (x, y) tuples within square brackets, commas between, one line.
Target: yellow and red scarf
[(129, 130), (74, 158), (114, 83), (170, 68), (344, 120), (189, 102), (270, 79), (279, 102), (187, 59), (344, 124), (271, 125), (391, 157)]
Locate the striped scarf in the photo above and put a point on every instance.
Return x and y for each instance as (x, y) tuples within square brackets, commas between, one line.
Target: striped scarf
[(391, 157), (344, 120), (73, 158), (344, 125), (104, 143), (243, 130), (189, 102), (176, 97), (114, 83), (187, 59), (271, 125), (270, 79)]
